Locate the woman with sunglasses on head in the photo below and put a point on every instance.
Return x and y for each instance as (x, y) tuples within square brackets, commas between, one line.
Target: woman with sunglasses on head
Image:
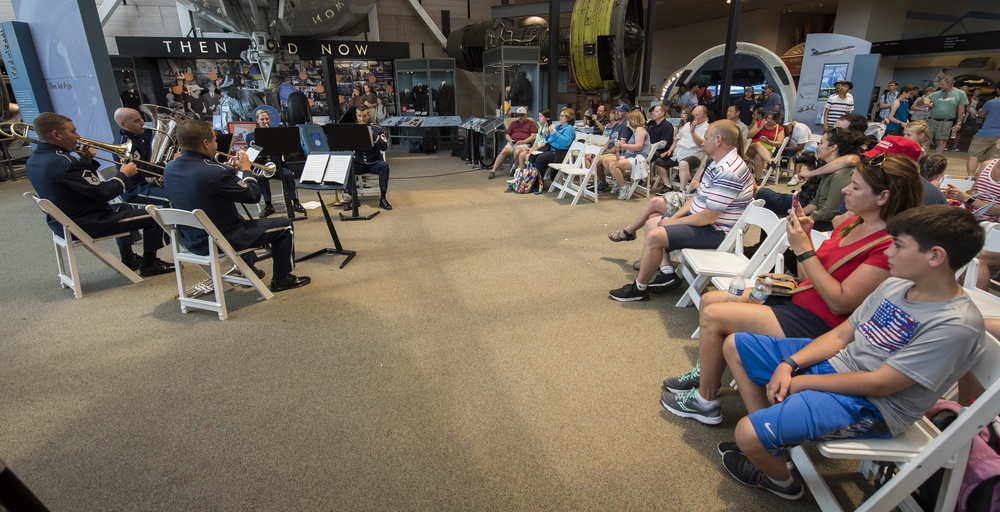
[(840, 274)]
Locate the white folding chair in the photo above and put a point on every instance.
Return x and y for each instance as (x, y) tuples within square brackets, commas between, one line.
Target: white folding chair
[(74, 236), (774, 166), (987, 302), (575, 180), (635, 186), (699, 266), (919, 452), (218, 248)]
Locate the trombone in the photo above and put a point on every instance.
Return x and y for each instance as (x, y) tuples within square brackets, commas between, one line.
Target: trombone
[(265, 170), (19, 130)]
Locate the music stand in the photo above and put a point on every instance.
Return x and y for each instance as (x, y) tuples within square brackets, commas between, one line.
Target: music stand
[(350, 137), (225, 142), (280, 140)]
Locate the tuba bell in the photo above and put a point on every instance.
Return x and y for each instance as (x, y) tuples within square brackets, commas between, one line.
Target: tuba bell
[(164, 125)]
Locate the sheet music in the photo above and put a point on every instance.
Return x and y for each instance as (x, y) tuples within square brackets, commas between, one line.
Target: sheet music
[(336, 169), (314, 168)]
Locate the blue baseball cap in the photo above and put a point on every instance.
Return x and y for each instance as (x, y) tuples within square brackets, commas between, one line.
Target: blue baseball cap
[(623, 107)]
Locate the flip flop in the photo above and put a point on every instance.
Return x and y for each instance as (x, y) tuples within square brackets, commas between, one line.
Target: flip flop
[(621, 236), (492, 175)]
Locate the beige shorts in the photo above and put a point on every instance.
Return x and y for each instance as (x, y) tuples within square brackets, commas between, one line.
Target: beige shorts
[(940, 130), (984, 147)]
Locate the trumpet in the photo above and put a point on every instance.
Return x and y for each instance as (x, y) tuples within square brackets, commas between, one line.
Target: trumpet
[(265, 170), (19, 130)]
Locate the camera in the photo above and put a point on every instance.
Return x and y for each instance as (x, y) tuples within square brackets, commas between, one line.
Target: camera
[(808, 157)]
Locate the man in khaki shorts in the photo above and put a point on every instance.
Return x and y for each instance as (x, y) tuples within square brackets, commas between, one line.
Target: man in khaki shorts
[(984, 144), (947, 105)]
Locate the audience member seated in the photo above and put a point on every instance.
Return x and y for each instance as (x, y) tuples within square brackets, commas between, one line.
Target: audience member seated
[(598, 120), (72, 184), (521, 132), (769, 136), (687, 152), (619, 129), (660, 164), (984, 201), (799, 136), (726, 190), (829, 195), (283, 173), (733, 114), (194, 181), (523, 152), (867, 378), (637, 148), (660, 130), (880, 189), (559, 139)]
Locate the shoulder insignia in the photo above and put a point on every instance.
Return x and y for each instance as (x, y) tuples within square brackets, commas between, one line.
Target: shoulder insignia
[(91, 178)]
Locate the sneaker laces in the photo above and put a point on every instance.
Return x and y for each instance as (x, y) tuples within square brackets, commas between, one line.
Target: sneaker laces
[(692, 374), (687, 396), (753, 474)]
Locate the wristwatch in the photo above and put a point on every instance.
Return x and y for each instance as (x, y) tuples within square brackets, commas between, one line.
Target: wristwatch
[(791, 362)]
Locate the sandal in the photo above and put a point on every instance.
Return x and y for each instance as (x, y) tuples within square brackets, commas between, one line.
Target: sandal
[(621, 236), (492, 175)]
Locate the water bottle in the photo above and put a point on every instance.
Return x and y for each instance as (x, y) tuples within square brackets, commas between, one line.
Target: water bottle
[(761, 292), (736, 287)]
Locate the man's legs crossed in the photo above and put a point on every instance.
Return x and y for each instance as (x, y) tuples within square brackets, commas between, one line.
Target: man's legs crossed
[(502, 157)]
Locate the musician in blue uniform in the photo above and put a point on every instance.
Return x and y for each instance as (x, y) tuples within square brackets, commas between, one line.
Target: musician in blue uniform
[(196, 181), (72, 184), (371, 161), (284, 173), (139, 189)]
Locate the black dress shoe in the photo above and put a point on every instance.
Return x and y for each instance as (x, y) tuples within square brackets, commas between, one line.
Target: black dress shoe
[(133, 262), (383, 204), (235, 271), (268, 210), (155, 268), (288, 282), (297, 206), (348, 206)]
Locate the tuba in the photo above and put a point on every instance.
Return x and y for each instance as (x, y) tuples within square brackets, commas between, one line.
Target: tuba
[(165, 121)]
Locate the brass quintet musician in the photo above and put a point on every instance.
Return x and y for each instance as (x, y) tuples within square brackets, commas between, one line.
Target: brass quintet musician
[(196, 181), (71, 182), (138, 187)]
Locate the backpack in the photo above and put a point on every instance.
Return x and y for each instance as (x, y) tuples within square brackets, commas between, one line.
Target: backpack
[(978, 491), (525, 181)]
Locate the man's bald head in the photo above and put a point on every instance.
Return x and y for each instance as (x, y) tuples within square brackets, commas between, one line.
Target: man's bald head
[(130, 120)]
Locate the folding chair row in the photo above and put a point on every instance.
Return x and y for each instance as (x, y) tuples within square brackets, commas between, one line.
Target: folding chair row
[(646, 181), (575, 177)]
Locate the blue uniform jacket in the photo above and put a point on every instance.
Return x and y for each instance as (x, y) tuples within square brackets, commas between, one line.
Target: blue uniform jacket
[(74, 186), (194, 181), (141, 150), (375, 153)]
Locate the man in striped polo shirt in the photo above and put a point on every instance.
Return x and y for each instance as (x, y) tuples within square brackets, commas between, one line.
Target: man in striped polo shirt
[(838, 104), (726, 190)]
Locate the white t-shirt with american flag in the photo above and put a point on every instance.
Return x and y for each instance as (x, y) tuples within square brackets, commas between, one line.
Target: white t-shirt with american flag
[(933, 343), (727, 188)]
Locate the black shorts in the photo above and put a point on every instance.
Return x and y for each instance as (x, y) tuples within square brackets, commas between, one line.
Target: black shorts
[(693, 162), (796, 321)]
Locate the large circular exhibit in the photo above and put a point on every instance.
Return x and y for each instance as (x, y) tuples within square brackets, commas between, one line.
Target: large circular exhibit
[(603, 45)]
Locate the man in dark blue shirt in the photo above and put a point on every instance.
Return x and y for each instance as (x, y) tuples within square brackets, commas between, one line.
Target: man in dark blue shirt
[(139, 189), (371, 161)]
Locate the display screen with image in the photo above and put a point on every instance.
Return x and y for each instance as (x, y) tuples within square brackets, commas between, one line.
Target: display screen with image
[(832, 73)]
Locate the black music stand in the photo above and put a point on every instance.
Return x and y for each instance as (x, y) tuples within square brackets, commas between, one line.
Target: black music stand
[(337, 248), (280, 140), (350, 137), (225, 142)]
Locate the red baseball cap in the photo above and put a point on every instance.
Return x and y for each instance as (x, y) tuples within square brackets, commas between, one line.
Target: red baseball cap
[(896, 145)]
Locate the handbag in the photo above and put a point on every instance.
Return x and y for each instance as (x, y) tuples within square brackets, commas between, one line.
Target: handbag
[(782, 285)]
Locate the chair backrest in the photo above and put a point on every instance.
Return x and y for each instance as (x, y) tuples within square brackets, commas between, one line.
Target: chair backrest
[(963, 184), (70, 228), (818, 237), (169, 218), (654, 150), (574, 155), (600, 140), (770, 251), (777, 154), (736, 231)]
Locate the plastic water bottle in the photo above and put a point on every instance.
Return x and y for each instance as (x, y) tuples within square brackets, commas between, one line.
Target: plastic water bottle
[(736, 287), (761, 292)]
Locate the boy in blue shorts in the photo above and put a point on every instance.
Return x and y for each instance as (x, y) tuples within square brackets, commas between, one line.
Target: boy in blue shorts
[(876, 373)]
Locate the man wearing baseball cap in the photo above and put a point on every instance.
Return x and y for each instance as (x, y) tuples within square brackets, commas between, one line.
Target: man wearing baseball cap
[(618, 129), (897, 145), (521, 131), (839, 103)]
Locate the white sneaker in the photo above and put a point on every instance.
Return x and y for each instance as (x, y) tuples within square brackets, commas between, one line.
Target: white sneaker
[(622, 192), (794, 181), (614, 188)]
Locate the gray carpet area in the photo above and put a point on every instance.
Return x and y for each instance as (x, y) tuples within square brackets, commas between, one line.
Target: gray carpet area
[(467, 359)]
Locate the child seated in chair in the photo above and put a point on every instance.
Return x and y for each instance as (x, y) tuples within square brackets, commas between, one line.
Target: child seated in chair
[(875, 374)]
